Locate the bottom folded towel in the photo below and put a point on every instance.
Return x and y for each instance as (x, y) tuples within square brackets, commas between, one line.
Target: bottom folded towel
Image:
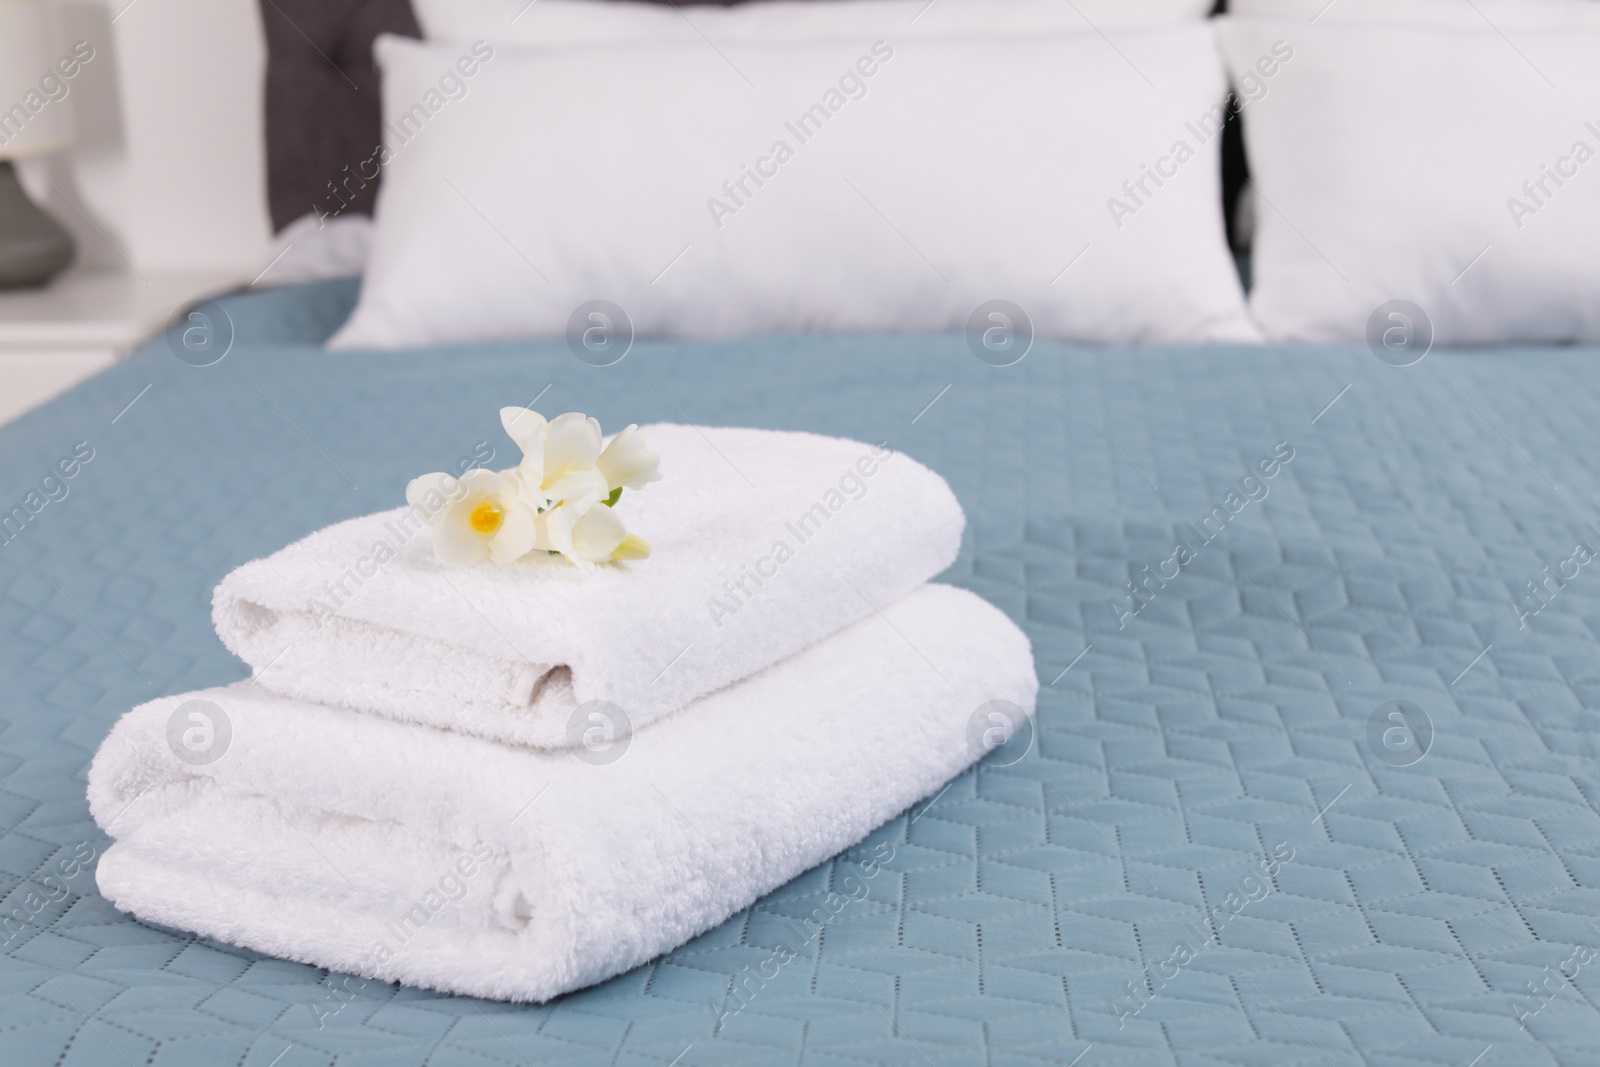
[(404, 853)]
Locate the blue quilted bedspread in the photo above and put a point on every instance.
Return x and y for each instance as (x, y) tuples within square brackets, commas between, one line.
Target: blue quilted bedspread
[(1318, 788)]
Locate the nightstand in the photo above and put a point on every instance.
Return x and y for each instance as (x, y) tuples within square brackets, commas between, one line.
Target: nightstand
[(84, 321)]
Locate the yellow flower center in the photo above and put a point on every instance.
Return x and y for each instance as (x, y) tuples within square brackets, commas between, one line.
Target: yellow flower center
[(486, 517)]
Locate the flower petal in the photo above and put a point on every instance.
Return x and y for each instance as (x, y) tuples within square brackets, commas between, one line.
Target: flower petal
[(572, 443), (481, 482), (456, 543), (581, 489), (524, 426), (632, 547), (627, 463), (516, 536), (526, 477), (597, 534), (555, 534), (431, 495)]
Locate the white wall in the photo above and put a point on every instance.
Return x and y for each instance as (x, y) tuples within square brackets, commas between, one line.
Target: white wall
[(168, 169)]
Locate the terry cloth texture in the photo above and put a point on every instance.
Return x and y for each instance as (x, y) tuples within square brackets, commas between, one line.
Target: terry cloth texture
[(763, 544), (401, 852)]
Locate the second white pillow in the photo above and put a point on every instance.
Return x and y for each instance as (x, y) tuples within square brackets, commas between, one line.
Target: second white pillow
[(1448, 175)]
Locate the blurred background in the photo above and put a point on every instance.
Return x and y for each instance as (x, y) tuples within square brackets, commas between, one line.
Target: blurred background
[(162, 186)]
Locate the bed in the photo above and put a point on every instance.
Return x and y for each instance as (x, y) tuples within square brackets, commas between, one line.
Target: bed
[(1427, 885), (1312, 776)]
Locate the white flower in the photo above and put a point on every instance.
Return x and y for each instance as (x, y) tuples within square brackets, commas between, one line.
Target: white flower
[(479, 516), (595, 536), (585, 538), (559, 457), (627, 463)]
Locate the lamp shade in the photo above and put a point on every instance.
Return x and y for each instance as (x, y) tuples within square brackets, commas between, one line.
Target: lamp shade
[(35, 114)]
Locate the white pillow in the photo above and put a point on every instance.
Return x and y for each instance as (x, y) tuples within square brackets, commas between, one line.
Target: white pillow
[(1472, 14), (552, 22), (1412, 163), (926, 180)]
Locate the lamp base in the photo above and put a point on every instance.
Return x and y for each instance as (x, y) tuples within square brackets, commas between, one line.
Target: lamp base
[(34, 247)]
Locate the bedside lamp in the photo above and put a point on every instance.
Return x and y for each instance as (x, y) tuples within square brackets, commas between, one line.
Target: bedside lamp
[(35, 120)]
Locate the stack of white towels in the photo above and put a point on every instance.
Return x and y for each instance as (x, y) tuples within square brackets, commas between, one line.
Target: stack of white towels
[(515, 780)]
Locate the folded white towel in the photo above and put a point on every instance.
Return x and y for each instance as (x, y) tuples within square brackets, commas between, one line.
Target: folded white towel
[(400, 852), (764, 543)]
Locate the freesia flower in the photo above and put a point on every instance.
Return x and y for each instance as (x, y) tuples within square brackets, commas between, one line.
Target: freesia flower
[(559, 457), (584, 538), (627, 463), (479, 516), (594, 536), (558, 500)]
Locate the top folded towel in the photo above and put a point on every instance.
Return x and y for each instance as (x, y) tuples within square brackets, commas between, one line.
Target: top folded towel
[(763, 544)]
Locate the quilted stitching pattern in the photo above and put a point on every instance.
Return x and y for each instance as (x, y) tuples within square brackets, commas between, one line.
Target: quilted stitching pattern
[(1173, 754)]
